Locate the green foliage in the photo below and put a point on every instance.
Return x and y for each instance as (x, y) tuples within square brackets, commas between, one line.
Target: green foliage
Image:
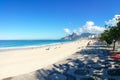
[(106, 36), (118, 29), (114, 31), (112, 34)]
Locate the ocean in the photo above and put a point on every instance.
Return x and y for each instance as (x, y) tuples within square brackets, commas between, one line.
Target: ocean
[(25, 43)]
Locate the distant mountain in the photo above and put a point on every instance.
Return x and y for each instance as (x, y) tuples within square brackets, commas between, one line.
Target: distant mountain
[(70, 37), (74, 36), (83, 35)]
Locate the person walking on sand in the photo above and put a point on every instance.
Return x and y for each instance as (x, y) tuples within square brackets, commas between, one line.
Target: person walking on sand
[(88, 43)]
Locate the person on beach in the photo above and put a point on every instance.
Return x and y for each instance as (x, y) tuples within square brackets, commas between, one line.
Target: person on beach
[(88, 43)]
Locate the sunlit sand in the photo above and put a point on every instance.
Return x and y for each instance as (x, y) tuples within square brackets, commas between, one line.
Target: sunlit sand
[(21, 61)]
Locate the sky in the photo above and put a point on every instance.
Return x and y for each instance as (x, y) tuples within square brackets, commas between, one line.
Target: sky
[(53, 19)]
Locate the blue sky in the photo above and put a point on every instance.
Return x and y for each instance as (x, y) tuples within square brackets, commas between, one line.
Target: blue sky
[(47, 19)]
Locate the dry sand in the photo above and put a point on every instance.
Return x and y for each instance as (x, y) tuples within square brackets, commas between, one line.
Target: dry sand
[(22, 61)]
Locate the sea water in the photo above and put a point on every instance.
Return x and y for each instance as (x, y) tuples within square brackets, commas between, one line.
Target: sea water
[(25, 43)]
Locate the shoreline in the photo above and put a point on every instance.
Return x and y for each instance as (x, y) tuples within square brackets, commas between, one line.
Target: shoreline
[(29, 47)]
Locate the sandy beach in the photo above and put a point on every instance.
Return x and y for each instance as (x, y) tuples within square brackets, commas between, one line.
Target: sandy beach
[(66, 61), (22, 61)]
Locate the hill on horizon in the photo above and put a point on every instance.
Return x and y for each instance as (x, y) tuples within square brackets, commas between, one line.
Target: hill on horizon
[(74, 36)]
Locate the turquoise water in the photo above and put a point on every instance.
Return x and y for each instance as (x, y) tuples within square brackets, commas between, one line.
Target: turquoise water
[(22, 43)]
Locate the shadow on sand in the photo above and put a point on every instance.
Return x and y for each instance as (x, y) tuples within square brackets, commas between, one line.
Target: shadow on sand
[(92, 63)]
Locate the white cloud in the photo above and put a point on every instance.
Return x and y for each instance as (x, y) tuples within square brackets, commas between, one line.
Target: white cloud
[(117, 16), (90, 27), (89, 23), (76, 31), (113, 21), (67, 31)]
